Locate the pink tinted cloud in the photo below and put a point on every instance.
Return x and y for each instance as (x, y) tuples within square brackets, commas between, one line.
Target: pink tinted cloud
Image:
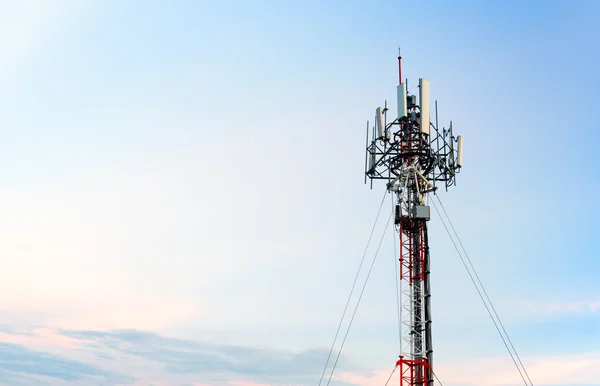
[(142, 314), (378, 378), (126, 311), (573, 369), (41, 338)]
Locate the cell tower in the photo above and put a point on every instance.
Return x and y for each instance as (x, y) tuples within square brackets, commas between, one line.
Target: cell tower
[(414, 156)]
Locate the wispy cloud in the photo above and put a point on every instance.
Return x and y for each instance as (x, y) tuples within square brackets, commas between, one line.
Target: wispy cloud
[(563, 306), (140, 358), (19, 362), (568, 369), (189, 357), (152, 357)]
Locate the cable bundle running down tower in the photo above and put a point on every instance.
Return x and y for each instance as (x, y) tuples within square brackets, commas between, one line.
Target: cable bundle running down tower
[(413, 155)]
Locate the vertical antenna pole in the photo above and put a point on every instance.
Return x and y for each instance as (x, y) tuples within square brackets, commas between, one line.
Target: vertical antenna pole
[(385, 134), (437, 139), (385, 115), (453, 157), (399, 67), (373, 131), (366, 152), (436, 116)]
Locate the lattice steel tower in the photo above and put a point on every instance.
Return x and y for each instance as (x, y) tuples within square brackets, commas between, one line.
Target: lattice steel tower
[(413, 155)]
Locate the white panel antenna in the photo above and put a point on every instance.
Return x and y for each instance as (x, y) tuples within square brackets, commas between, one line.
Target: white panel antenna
[(424, 105), (401, 100), (379, 123), (372, 157)]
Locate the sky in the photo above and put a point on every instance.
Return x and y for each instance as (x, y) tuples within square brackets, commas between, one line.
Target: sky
[(182, 190)]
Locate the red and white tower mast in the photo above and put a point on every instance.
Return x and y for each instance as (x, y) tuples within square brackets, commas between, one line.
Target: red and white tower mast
[(414, 156)]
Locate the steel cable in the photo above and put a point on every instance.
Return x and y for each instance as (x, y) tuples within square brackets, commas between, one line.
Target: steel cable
[(359, 299), (484, 291), (480, 295), (391, 375), (352, 290)]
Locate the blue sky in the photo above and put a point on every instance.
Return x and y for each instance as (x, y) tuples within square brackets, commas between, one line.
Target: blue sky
[(190, 174)]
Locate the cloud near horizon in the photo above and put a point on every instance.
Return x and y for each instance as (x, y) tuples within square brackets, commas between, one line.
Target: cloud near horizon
[(133, 357), (146, 357)]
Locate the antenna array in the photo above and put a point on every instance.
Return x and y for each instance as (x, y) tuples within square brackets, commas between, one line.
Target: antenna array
[(414, 155)]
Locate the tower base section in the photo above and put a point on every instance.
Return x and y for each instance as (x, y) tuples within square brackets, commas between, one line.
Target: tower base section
[(414, 372)]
